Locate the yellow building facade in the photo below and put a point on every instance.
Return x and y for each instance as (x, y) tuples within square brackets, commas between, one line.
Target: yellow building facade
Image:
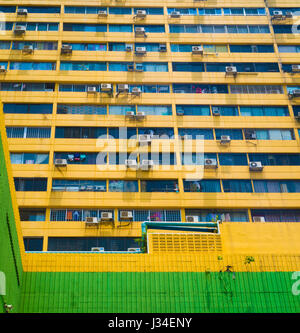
[(175, 77)]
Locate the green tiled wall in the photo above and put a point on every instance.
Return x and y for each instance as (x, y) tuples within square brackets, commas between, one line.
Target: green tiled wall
[(159, 292), (10, 261)]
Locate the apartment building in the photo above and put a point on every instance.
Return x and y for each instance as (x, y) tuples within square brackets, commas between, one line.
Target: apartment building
[(123, 114)]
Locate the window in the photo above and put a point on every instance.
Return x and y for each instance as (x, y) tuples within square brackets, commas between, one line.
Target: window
[(119, 158), (277, 215), (86, 243), (120, 10), (32, 26), (123, 186), (31, 184), (8, 9), (85, 27), (289, 48), (40, 66), (151, 11), (33, 243), (5, 45), (179, 88), (37, 215), (158, 132), (256, 89), (193, 110), (80, 132), (28, 108), (81, 185), (224, 215), (196, 133), (82, 158), (81, 109), (16, 45), (156, 215), (274, 134), (76, 215), (19, 86), (87, 46), (188, 67), (196, 158), (275, 159), (159, 158), (183, 11), (120, 28), (82, 10), (159, 186), (155, 110), (152, 28), (83, 66), (273, 111), (276, 186), (251, 48), (28, 132), (41, 10), (237, 185), (29, 158), (235, 134), (233, 159), (204, 185)]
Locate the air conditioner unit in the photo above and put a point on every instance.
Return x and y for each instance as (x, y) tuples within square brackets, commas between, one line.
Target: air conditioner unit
[(180, 111), (297, 116), (123, 87), (277, 14), (130, 67), (131, 163), (250, 136), (23, 12), (136, 91), (162, 48), (27, 48), (65, 48), (210, 163), (255, 166), (140, 115), (295, 93), (100, 188), (190, 218), (19, 29), (128, 47), (144, 138), (106, 87), (60, 162), (141, 13), (197, 49), (231, 70), (216, 111), (97, 249), (125, 214), (139, 67), (289, 15), (146, 164), (130, 114), (140, 31), (225, 139), (134, 249), (258, 219), (296, 68), (91, 221), (2, 69), (102, 13), (175, 14), (91, 90), (106, 216), (140, 50)]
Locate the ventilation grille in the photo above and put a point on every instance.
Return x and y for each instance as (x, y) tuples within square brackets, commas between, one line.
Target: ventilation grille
[(203, 243)]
